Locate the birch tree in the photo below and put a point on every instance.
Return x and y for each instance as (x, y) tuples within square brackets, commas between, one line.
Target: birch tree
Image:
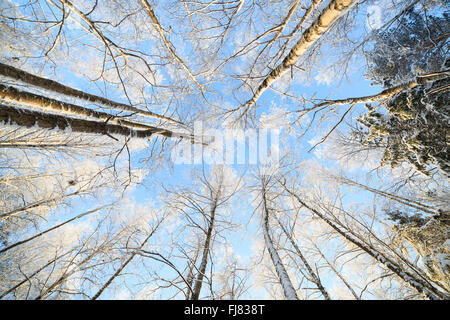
[(265, 206), (351, 231), (204, 215)]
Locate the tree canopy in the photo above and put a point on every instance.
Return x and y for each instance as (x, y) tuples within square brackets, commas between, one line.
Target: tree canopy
[(224, 150)]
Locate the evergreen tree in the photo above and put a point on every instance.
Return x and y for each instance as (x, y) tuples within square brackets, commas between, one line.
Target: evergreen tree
[(414, 125), (428, 236)]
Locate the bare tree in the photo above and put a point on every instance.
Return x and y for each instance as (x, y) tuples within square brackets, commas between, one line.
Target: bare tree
[(420, 285), (202, 210), (283, 277)]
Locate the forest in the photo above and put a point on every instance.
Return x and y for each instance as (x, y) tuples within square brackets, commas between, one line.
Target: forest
[(224, 150)]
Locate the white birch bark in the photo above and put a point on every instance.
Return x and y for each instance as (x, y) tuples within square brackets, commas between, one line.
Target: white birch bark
[(417, 284), (24, 98), (28, 119), (53, 86), (205, 254), (285, 281), (328, 16), (314, 276)]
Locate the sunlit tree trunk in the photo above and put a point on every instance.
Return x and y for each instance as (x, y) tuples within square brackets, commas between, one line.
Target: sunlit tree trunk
[(387, 93), (205, 253), (56, 87), (191, 273), (283, 277), (329, 15), (419, 285), (28, 119), (315, 278), (24, 98)]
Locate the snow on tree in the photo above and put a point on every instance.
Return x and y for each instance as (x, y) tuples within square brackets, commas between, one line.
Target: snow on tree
[(96, 97)]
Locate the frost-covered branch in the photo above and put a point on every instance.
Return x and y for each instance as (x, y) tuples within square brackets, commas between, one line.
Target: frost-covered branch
[(328, 16), (54, 86)]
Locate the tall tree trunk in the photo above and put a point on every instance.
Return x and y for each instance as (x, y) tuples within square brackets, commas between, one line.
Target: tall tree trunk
[(36, 145), (283, 277), (12, 94), (27, 98), (314, 276), (205, 254), (419, 285), (387, 93), (53, 86), (28, 119), (329, 15), (190, 275)]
